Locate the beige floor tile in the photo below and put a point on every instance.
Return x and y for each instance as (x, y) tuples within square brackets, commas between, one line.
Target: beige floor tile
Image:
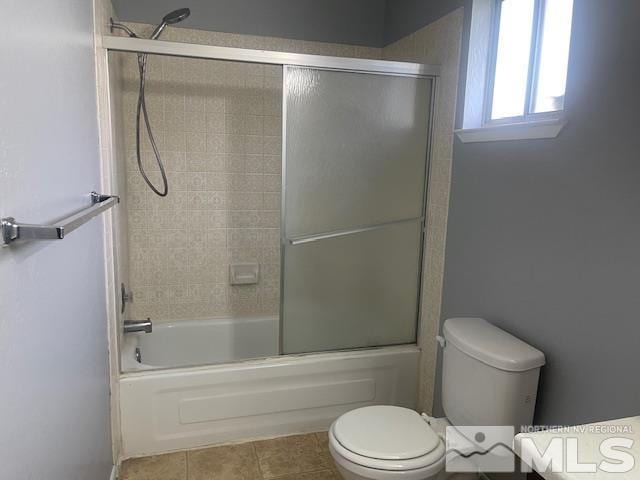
[(231, 462), (321, 475), (323, 438), (323, 444), (292, 455), (172, 466)]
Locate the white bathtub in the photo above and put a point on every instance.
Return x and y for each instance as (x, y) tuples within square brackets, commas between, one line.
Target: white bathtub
[(201, 342), (182, 408)]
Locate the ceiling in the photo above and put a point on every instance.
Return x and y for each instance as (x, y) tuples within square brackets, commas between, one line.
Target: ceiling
[(357, 22)]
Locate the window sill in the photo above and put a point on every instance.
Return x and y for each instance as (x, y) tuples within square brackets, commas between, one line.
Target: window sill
[(513, 131)]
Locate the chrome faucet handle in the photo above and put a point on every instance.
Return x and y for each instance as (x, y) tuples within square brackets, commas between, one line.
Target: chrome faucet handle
[(125, 297), (133, 326)]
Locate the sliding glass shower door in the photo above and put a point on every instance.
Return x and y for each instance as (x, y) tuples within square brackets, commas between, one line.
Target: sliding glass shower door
[(354, 190)]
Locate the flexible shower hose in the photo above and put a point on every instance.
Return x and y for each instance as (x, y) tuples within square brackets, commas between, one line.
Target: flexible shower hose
[(141, 112)]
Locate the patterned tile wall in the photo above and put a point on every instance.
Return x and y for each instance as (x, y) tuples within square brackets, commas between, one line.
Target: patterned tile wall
[(218, 127)]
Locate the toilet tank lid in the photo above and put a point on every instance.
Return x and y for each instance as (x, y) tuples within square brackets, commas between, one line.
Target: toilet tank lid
[(491, 345)]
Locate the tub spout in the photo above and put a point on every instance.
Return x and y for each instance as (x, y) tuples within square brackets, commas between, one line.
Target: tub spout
[(132, 326)]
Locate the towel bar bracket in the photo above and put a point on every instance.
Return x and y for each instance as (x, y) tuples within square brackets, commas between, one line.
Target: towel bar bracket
[(12, 230)]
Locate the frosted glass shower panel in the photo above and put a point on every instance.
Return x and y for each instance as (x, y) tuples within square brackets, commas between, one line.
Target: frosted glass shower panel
[(352, 291), (355, 149), (354, 187)]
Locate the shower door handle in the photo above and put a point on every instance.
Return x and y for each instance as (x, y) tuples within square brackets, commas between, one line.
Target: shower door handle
[(353, 231)]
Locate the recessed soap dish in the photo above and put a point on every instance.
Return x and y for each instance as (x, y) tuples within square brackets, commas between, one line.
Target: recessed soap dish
[(244, 273)]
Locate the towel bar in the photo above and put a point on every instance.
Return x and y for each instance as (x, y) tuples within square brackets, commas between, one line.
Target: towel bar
[(12, 230)]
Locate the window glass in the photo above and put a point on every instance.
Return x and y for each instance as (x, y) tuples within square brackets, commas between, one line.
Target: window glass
[(554, 56), (512, 58)]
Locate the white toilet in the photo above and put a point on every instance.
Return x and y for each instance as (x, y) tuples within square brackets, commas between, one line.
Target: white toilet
[(489, 377)]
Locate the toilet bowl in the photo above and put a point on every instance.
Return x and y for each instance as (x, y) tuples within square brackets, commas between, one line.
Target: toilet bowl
[(489, 378), (386, 443)]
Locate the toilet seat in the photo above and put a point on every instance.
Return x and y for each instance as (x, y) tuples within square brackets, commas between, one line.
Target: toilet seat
[(385, 432), (389, 439)]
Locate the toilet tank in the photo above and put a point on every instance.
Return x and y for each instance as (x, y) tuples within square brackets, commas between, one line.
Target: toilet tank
[(489, 377)]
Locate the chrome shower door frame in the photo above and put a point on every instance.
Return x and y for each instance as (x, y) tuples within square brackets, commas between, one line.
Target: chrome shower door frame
[(431, 72), (288, 60), (192, 50)]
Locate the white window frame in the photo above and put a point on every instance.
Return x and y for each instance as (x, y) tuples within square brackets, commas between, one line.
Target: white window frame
[(483, 45)]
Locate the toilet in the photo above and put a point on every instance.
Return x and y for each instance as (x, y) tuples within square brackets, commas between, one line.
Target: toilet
[(489, 377)]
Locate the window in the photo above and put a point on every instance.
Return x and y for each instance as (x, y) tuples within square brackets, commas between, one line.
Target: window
[(516, 70), (529, 55)]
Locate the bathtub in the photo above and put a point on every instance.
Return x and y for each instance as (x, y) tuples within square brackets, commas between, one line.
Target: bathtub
[(163, 410), (201, 342)]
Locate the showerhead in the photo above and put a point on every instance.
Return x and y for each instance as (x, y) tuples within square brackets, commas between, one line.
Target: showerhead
[(176, 16), (169, 19)]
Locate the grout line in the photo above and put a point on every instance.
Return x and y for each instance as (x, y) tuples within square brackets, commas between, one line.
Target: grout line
[(186, 465), (255, 455)]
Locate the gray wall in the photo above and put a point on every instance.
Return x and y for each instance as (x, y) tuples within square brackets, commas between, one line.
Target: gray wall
[(403, 17), (357, 22), (54, 397), (544, 236)]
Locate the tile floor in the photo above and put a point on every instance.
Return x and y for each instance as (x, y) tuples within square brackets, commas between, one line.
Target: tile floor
[(298, 457)]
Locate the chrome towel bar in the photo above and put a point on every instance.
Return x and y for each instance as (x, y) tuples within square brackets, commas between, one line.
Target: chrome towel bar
[(12, 230)]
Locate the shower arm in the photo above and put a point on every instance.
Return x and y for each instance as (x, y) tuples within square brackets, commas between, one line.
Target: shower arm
[(119, 26)]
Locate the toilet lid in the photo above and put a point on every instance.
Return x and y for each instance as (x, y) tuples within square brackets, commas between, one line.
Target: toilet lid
[(385, 432)]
